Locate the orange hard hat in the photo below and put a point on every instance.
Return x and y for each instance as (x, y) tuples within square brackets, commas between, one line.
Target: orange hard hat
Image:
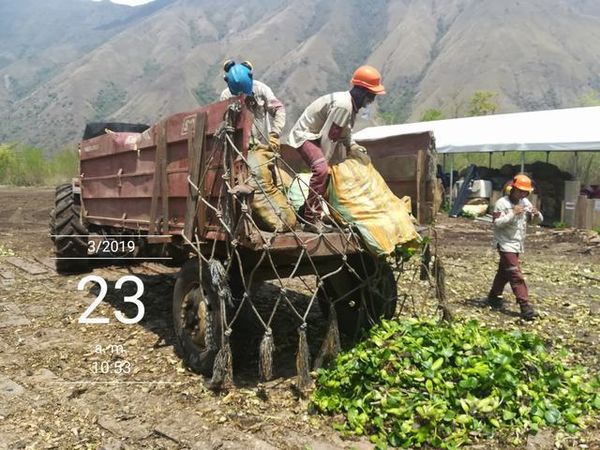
[(522, 182), (369, 78)]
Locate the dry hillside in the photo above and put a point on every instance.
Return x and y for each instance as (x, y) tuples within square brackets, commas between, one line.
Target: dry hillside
[(104, 61)]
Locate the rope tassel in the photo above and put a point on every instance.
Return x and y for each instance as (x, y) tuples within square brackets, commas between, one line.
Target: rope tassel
[(302, 360), (331, 344), (265, 360), (223, 367)]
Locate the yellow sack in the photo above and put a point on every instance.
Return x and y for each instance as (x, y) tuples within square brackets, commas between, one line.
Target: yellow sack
[(270, 207), (360, 196)]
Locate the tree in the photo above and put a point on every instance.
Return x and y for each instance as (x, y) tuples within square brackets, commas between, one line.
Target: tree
[(589, 98), (482, 103), (7, 163), (455, 104), (432, 114)]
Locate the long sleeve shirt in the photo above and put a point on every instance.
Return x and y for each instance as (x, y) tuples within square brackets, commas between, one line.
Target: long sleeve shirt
[(510, 228), (268, 111), (316, 122)]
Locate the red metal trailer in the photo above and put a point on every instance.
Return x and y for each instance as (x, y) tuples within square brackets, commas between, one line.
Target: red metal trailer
[(179, 191)]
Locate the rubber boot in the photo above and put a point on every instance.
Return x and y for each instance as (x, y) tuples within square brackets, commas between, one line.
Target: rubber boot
[(318, 227), (528, 312), (495, 301)]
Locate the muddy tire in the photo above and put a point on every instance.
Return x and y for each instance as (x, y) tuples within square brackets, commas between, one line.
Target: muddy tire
[(67, 231), (358, 307), (196, 317)]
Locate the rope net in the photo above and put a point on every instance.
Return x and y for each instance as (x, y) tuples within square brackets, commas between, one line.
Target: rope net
[(353, 288)]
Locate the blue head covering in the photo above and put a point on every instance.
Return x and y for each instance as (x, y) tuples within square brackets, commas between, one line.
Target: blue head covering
[(239, 79)]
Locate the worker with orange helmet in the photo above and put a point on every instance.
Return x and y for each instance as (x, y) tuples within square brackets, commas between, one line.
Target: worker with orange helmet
[(511, 215), (323, 136)]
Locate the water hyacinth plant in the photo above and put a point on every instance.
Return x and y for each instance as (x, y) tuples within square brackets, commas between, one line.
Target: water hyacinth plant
[(416, 382)]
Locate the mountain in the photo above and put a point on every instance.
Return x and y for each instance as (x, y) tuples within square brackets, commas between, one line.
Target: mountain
[(66, 62)]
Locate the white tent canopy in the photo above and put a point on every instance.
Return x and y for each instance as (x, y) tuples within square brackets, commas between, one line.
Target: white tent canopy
[(563, 130)]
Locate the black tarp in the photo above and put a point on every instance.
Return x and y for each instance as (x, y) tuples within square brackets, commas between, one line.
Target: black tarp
[(97, 128), (463, 193)]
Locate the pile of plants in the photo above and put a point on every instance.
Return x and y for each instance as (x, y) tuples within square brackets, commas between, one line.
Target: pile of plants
[(417, 382)]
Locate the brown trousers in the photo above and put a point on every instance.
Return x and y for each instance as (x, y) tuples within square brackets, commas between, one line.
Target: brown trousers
[(509, 271)]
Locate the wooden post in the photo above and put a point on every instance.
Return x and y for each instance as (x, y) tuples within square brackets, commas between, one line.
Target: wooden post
[(196, 141), (159, 163), (164, 180), (522, 162), (418, 186), (421, 191)]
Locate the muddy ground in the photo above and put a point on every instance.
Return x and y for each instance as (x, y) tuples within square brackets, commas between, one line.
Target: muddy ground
[(51, 397)]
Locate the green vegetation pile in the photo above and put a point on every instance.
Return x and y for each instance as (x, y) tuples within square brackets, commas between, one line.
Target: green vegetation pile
[(417, 382)]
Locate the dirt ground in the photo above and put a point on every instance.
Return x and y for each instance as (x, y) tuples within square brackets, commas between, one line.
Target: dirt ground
[(51, 397)]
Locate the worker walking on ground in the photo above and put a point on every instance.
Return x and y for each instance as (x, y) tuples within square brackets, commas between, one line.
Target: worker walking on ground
[(323, 136), (511, 215), (270, 204)]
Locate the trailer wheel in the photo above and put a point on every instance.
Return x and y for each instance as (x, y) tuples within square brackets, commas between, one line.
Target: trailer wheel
[(197, 317), (67, 231), (359, 308)]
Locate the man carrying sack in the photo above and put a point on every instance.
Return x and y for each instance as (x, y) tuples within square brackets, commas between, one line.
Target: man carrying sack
[(323, 136), (269, 203)]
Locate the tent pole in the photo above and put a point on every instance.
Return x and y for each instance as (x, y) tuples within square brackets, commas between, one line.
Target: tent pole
[(444, 162), (490, 161), (522, 162), (576, 166), (547, 157), (451, 178)]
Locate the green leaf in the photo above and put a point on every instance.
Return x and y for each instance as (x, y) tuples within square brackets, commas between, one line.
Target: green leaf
[(508, 415), (552, 416), (429, 386), (437, 364), (464, 405), (572, 428)]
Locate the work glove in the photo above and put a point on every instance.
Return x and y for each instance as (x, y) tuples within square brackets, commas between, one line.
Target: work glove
[(274, 142), (359, 153)]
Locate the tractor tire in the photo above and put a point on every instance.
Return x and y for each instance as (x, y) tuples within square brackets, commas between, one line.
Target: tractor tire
[(197, 317), (68, 233), (359, 308)]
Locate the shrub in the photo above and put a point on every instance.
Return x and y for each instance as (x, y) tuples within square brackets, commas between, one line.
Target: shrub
[(23, 165)]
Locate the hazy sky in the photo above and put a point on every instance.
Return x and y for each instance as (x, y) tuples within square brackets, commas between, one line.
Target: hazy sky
[(129, 2)]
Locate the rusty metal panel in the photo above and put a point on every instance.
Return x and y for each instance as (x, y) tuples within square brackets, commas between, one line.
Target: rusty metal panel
[(314, 244), (397, 167), (118, 181)]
